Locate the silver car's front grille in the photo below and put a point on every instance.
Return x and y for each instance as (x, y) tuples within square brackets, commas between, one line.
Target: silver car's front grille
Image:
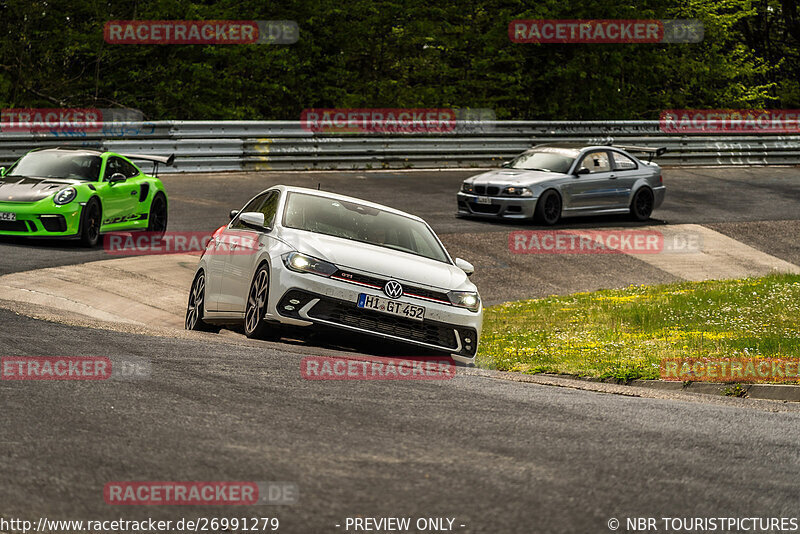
[(491, 190)]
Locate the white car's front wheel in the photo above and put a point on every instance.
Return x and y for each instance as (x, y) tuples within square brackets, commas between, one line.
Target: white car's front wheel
[(254, 324)]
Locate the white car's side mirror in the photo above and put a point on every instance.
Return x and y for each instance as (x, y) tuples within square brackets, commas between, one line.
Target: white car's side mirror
[(465, 266), (253, 219)]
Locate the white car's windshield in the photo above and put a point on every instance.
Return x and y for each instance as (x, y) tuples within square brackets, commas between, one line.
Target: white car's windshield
[(57, 165), (545, 159), (357, 222)]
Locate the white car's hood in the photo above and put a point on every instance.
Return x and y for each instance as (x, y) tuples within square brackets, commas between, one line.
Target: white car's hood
[(518, 177), (380, 261)]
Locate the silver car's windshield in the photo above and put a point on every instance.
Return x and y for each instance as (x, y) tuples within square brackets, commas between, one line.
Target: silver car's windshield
[(545, 159), (57, 165), (357, 222)]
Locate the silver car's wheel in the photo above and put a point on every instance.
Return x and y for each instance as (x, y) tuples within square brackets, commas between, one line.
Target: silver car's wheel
[(194, 310), (642, 204), (548, 208), (254, 324)]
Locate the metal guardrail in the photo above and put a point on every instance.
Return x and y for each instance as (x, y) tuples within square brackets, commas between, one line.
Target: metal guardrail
[(284, 145)]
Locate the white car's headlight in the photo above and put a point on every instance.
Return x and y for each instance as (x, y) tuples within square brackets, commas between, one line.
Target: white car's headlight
[(518, 192), (465, 299), (303, 263), (65, 196), (467, 188)]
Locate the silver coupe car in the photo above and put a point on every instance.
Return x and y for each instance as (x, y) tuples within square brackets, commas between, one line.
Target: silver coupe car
[(552, 181)]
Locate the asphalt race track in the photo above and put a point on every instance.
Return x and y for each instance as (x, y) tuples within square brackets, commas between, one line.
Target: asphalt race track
[(719, 197), (498, 456), (495, 454)]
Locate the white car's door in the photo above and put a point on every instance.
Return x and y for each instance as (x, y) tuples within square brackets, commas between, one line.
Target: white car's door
[(215, 269), (232, 272), (244, 254)]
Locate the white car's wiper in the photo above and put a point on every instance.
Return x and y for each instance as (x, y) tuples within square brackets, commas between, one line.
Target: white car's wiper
[(535, 169)]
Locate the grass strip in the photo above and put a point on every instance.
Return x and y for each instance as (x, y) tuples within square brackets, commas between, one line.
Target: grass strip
[(625, 333)]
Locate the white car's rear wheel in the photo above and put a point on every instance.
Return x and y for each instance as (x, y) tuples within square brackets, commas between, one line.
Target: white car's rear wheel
[(194, 310)]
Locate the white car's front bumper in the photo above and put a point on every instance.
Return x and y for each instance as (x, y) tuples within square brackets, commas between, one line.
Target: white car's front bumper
[(303, 299)]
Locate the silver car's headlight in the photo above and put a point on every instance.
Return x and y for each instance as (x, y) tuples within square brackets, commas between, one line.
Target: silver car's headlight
[(467, 188), (303, 263), (465, 299), (65, 196), (518, 192)]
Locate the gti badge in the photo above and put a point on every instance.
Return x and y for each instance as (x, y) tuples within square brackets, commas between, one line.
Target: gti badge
[(393, 289)]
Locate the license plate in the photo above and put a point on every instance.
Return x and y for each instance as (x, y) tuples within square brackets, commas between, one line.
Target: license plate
[(483, 200), (8, 216), (392, 307)]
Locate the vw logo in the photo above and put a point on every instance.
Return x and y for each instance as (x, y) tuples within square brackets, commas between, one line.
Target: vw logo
[(393, 289)]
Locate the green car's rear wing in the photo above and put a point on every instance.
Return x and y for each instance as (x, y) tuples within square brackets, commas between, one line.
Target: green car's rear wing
[(166, 160)]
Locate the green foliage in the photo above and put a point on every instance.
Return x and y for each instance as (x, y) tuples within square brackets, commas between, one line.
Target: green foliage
[(391, 53), (735, 390), (625, 373)]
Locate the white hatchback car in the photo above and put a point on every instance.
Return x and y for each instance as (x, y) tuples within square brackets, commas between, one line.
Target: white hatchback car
[(302, 257)]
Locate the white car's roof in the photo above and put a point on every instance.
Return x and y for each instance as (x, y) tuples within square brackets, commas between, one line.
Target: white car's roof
[(328, 194)]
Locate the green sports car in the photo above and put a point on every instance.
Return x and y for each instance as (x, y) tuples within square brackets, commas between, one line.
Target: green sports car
[(80, 193)]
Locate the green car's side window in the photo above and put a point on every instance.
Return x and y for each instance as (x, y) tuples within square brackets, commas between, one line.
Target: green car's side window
[(116, 165), (128, 169), (112, 167)]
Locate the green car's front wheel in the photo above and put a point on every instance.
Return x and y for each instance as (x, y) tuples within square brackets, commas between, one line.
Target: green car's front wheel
[(157, 219), (91, 218)]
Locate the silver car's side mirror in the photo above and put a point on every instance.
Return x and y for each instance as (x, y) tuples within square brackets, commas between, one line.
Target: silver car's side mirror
[(253, 219), (506, 164), (465, 266), (583, 170)]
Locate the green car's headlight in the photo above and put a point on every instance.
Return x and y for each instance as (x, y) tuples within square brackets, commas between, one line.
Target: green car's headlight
[(65, 196), (465, 299), (303, 263), (518, 192)]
